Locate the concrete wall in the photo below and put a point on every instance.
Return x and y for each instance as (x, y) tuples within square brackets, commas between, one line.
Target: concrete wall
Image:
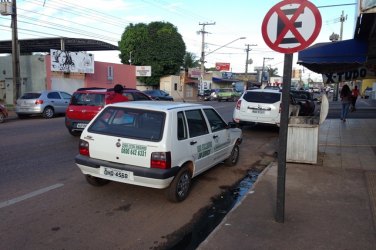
[(33, 76)]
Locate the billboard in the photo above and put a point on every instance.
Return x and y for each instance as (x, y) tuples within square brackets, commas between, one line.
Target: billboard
[(77, 62), (222, 66), (143, 70), (194, 73)]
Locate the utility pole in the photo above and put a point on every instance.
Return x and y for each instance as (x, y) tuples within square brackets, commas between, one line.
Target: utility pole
[(342, 19), (15, 54), (203, 32), (247, 60)]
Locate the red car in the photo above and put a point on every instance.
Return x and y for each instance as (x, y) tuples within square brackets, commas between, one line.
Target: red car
[(3, 113), (87, 102)]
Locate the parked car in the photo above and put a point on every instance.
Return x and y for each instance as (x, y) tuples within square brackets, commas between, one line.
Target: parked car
[(3, 113), (306, 102), (47, 103), (158, 95), (367, 92), (262, 106), (156, 144), (227, 94), (87, 102)]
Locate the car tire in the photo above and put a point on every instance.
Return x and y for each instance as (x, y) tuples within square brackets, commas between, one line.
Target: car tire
[(95, 181), (180, 186), (2, 117), (234, 156), (48, 113)]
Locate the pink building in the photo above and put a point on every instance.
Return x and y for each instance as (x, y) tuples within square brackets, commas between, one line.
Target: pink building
[(106, 75)]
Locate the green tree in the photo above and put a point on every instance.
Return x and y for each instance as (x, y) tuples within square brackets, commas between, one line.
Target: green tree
[(157, 44), (272, 71), (190, 61)]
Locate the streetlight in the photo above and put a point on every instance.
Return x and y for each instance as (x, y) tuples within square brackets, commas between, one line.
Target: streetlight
[(203, 55), (225, 45)]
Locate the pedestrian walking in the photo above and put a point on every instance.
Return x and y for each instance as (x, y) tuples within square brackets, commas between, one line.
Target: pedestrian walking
[(117, 96), (346, 101), (354, 97)]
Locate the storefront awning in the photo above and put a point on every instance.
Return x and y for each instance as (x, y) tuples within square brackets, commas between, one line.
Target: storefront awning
[(334, 56)]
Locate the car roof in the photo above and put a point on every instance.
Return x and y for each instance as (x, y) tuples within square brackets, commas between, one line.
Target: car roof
[(159, 105)]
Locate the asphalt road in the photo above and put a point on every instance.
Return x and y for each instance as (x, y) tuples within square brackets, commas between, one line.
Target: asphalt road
[(45, 202)]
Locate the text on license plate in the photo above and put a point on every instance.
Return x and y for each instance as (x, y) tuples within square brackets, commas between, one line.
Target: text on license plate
[(258, 111), (81, 125), (116, 173)]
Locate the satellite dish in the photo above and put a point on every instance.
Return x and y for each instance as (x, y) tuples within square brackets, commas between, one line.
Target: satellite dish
[(250, 61)]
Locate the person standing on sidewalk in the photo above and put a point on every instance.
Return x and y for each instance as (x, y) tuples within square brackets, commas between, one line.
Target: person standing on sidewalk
[(355, 94), (346, 101)]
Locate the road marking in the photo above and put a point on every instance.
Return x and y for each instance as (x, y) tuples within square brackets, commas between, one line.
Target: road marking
[(29, 195)]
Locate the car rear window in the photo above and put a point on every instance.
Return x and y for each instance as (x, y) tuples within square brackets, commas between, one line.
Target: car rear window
[(31, 96), (130, 123), (88, 99), (262, 97)]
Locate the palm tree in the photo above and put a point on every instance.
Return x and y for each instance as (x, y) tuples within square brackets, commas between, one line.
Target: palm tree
[(190, 61), (272, 71)]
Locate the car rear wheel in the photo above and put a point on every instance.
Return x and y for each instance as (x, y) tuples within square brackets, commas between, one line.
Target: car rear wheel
[(95, 181), (234, 156), (48, 112), (180, 186)]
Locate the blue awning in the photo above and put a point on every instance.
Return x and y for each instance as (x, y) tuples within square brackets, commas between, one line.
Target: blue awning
[(334, 56)]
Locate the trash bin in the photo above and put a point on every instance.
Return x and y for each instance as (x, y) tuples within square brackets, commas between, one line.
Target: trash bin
[(303, 135)]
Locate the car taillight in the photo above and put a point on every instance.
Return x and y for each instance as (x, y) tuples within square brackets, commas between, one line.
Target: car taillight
[(83, 148), (160, 160), (39, 101), (238, 104)]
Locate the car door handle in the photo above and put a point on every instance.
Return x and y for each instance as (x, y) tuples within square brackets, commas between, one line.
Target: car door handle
[(193, 142), (215, 136)]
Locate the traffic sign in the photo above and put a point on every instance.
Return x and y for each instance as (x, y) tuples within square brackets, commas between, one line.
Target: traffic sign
[(291, 26)]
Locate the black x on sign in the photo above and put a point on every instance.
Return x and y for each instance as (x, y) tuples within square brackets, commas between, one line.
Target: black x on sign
[(291, 26)]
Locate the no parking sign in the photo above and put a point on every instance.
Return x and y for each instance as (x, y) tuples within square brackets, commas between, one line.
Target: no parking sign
[(291, 26)]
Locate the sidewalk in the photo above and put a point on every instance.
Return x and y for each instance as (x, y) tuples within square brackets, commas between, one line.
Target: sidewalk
[(330, 205)]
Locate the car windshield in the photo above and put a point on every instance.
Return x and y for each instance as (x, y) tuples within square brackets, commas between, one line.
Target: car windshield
[(31, 96), (88, 99), (130, 123), (262, 97)]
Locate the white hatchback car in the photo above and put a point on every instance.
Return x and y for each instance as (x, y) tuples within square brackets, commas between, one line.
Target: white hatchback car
[(262, 106), (156, 144)]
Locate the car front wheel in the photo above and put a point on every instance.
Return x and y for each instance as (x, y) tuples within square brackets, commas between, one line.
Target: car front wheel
[(180, 186), (48, 112), (234, 156)]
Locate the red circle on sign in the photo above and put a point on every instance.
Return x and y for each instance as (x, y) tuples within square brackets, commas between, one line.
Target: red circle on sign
[(289, 26)]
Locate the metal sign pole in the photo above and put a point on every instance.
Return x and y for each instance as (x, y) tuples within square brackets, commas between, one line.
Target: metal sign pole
[(281, 179)]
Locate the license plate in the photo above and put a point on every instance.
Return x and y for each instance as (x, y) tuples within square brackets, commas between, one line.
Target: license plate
[(258, 111), (116, 173), (81, 125)]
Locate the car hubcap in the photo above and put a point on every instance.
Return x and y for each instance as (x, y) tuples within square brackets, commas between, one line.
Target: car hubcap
[(183, 185)]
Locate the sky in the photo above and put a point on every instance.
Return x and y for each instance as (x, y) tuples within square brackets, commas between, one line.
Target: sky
[(227, 22)]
